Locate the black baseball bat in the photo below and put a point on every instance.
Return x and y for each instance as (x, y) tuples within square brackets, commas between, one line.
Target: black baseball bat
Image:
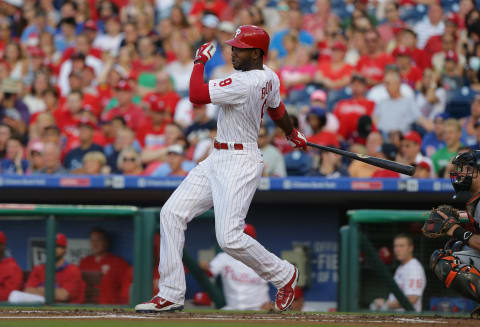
[(382, 163)]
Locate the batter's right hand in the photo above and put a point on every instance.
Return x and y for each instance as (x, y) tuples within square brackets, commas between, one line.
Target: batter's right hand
[(205, 52), (297, 139)]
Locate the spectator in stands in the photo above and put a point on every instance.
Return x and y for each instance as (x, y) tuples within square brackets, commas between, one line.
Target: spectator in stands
[(476, 146), (317, 119), (468, 123), (316, 22), (67, 116), (410, 149), (74, 158), (175, 163), (452, 132), (152, 132), (409, 276), (431, 25), (295, 23), (408, 38), (349, 111), (5, 134), (451, 77), (34, 157), (388, 151), (41, 82), (66, 38), (294, 77), (398, 112), (431, 97), (129, 162), (392, 26), (69, 285), (334, 74), (11, 276), (202, 124), (133, 115), (14, 162), (273, 162), (180, 69), (164, 92), (432, 141), (51, 160), (124, 138), (93, 163), (410, 73), (330, 165), (111, 267), (227, 68), (151, 155), (111, 39), (13, 111), (423, 170), (372, 64), (449, 42), (373, 148)]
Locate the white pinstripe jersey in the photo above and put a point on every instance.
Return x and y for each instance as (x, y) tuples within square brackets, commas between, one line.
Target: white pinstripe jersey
[(243, 98)]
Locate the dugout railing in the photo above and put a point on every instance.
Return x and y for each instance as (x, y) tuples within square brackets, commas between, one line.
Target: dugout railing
[(145, 224), (356, 247)]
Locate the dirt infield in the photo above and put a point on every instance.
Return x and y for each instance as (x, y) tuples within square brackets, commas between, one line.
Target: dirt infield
[(237, 317)]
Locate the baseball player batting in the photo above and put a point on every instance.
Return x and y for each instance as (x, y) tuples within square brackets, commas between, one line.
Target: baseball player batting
[(228, 178)]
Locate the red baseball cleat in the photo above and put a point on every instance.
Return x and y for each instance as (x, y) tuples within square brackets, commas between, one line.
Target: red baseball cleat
[(286, 294), (157, 304)]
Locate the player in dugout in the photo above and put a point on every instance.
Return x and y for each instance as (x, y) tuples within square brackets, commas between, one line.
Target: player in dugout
[(69, 285), (457, 265), (11, 276)]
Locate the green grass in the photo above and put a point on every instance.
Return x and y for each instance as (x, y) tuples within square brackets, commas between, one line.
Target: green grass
[(163, 323)]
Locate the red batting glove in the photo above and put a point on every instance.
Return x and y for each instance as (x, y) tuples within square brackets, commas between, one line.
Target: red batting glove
[(205, 52), (297, 139)]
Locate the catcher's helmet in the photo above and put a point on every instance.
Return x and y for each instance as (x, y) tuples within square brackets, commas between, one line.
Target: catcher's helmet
[(466, 167), (250, 37)]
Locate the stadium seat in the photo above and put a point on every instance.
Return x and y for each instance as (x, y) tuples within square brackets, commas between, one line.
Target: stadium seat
[(298, 163), (458, 105)]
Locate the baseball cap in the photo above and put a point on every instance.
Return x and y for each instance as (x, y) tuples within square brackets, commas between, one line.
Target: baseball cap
[(226, 27), (359, 77), (36, 146), (250, 231), (123, 85), (389, 150), (413, 136), (85, 121), (425, 165), (77, 56), (175, 148), (36, 52), (90, 25), (202, 298), (210, 21), (401, 51), (452, 18), (319, 111), (339, 46), (61, 240), (3, 238), (451, 55), (319, 95)]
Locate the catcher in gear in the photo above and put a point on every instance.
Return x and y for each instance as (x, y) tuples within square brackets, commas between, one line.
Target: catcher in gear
[(458, 264)]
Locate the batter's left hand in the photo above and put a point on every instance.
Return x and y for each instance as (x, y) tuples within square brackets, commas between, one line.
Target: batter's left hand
[(205, 52), (297, 139)]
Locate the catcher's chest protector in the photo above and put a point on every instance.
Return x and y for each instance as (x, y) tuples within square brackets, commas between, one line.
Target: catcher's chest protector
[(456, 273)]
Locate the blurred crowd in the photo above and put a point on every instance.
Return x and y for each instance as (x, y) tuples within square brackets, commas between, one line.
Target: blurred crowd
[(101, 87)]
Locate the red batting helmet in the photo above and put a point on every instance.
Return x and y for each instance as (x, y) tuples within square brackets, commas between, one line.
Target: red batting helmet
[(250, 37)]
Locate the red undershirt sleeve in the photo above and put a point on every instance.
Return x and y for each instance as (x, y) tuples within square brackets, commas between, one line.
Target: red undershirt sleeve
[(198, 92), (276, 113)]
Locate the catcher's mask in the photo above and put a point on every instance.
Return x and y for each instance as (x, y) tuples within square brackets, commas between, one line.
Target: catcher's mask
[(466, 166)]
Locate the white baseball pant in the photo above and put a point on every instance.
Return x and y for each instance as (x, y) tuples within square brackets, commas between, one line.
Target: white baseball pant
[(226, 180)]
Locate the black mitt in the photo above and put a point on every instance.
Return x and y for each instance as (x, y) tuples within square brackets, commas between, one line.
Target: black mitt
[(438, 225)]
